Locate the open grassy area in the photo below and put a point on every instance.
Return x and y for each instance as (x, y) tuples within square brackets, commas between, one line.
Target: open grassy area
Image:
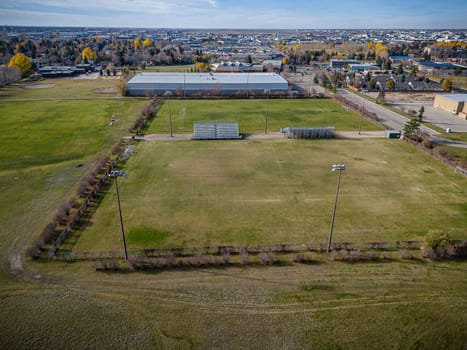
[(175, 68), (384, 304), (49, 132), (250, 192), (251, 114), (458, 81)]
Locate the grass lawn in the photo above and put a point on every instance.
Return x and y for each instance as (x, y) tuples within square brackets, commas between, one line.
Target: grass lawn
[(62, 88), (162, 68), (251, 115), (49, 132), (189, 193)]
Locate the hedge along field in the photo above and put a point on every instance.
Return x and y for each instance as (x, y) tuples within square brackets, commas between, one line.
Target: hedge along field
[(196, 193), (251, 114)]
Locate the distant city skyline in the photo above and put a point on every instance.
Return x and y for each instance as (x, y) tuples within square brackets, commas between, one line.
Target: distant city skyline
[(237, 14)]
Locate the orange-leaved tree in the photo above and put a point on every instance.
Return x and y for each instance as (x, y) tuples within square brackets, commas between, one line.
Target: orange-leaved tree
[(21, 62)]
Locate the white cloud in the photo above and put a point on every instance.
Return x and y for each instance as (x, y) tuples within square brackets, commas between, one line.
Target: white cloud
[(121, 5)]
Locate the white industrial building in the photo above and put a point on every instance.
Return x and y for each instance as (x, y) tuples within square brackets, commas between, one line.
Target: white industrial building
[(146, 84)]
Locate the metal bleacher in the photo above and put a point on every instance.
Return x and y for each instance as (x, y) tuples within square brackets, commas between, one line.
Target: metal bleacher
[(216, 130), (309, 133)]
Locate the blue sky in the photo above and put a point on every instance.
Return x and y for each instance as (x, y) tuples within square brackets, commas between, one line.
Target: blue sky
[(293, 14)]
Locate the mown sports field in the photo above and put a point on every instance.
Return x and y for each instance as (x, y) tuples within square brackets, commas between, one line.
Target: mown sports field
[(202, 193), (384, 304)]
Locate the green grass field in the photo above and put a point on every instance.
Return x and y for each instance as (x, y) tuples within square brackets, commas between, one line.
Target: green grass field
[(384, 304), (251, 115), (278, 191), (48, 132)]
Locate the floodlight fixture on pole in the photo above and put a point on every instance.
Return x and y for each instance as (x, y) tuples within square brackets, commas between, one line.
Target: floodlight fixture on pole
[(115, 174), (266, 91), (168, 93), (340, 168)]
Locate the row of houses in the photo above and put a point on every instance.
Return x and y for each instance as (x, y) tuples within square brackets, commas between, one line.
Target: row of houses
[(425, 67), (236, 66)]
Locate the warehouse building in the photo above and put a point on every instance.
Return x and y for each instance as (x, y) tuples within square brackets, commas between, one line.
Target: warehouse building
[(146, 84), (340, 64), (452, 103)]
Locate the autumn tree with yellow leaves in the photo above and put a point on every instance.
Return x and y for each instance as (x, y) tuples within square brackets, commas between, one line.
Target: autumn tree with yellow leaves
[(136, 43), (381, 50), (147, 42), (21, 62), (87, 54)]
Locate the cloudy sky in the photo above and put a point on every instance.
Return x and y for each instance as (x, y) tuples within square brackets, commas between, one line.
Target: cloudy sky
[(294, 14)]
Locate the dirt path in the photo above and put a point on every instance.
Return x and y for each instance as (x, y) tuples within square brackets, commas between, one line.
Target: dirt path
[(263, 136)]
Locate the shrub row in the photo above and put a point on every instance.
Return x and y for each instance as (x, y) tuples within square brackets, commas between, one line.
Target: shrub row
[(69, 214), (439, 152), (146, 115)]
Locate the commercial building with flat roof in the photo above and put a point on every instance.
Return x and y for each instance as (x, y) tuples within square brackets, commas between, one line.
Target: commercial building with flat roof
[(452, 103), (145, 84)]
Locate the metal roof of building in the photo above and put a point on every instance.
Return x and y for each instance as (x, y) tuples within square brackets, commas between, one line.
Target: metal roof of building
[(456, 97), (208, 78), (438, 65)]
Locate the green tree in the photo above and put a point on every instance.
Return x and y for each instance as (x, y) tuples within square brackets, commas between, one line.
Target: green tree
[(390, 85), (420, 113), (387, 65), (380, 99), (446, 85), (411, 128), (21, 62), (400, 69)]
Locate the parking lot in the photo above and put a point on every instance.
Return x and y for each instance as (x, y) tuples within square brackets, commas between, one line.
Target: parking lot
[(412, 102)]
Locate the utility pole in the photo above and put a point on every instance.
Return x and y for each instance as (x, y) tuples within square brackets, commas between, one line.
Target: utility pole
[(340, 168), (267, 111), (115, 174), (361, 116), (168, 94)]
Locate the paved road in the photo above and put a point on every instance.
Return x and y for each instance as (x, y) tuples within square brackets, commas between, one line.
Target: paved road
[(389, 118), (435, 116)]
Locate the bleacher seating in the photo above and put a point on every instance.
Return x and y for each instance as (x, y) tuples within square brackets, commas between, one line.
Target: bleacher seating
[(309, 133), (216, 130)]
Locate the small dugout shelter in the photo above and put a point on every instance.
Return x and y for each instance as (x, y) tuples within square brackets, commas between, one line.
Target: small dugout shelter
[(216, 130), (393, 134)]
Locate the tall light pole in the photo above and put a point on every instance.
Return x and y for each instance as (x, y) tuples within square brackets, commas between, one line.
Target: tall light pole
[(115, 174), (361, 117), (168, 94), (267, 111), (340, 168)]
